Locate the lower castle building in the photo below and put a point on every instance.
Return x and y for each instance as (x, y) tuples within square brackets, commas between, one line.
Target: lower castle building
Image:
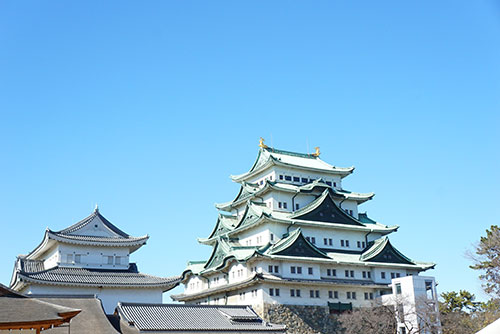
[(89, 257)]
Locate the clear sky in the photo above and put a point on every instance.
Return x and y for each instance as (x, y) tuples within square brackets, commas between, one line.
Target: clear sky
[(146, 108)]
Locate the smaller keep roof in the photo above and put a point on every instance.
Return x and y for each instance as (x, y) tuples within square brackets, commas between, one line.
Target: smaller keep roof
[(32, 271), (179, 317)]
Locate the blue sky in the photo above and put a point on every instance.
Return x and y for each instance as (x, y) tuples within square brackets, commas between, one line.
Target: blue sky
[(147, 107)]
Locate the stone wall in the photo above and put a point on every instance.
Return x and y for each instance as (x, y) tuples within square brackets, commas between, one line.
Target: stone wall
[(301, 319)]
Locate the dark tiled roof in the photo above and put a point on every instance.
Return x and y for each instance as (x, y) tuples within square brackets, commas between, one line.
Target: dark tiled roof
[(180, 317), (91, 320), (84, 222), (94, 239), (17, 308), (91, 277)]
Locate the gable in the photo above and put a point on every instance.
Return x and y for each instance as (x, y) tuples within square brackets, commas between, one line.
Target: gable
[(300, 247), (328, 212), (96, 228), (390, 255)]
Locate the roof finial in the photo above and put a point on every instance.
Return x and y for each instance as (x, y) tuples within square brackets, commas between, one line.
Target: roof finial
[(261, 143), (317, 152), (96, 209)]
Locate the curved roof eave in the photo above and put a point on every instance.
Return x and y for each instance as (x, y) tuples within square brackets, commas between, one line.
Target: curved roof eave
[(112, 242)]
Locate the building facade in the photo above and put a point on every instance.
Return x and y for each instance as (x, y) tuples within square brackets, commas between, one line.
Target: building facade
[(293, 235), (89, 257)]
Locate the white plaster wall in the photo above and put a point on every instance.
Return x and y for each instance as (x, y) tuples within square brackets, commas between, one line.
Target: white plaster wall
[(109, 296), (94, 257), (52, 258), (251, 237), (306, 174), (233, 272), (195, 284)]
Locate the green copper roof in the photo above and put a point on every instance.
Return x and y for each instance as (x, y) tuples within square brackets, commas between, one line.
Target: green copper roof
[(269, 156), (250, 191)]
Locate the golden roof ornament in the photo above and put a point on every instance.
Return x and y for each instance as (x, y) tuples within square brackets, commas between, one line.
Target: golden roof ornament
[(317, 152), (261, 143)]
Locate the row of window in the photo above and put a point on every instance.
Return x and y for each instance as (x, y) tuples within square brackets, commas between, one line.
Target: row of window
[(275, 292), (329, 242), (393, 275), (298, 270), (302, 180), (77, 258)]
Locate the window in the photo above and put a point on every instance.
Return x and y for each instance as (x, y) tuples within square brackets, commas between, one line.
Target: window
[(311, 180), (281, 177), (398, 289), (329, 183), (398, 275), (363, 244), (366, 295), (393, 275), (382, 275), (330, 294), (313, 240), (261, 182), (342, 244), (348, 295), (78, 258), (296, 206), (310, 270), (276, 269), (288, 178), (311, 293), (292, 270), (325, 241), (284, 205), (242, 296), (334, 184), (369, 274), (334, 272), (304, 180), (271, 292), (359, 244), (69, 258), (364, 274), (352, 273), (299, 270), (292, 292), (296, 179), (270, 269), (347, 243), (353, 295), (297, 293), (272, 237), (316, 293), (346, 273), (254, 294), (279, 205), (110, 260), (335, 294), (328, 272), (330, 242), (277, 292)]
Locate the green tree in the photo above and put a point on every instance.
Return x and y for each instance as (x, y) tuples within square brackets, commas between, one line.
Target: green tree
[(487, 259), (462, 301)]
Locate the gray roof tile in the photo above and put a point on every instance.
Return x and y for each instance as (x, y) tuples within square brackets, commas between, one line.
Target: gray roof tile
[(175, 317)]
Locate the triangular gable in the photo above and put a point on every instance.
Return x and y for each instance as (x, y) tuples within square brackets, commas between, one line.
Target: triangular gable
[(296, 245), (94, 225), (385, 252), (324, 209)]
